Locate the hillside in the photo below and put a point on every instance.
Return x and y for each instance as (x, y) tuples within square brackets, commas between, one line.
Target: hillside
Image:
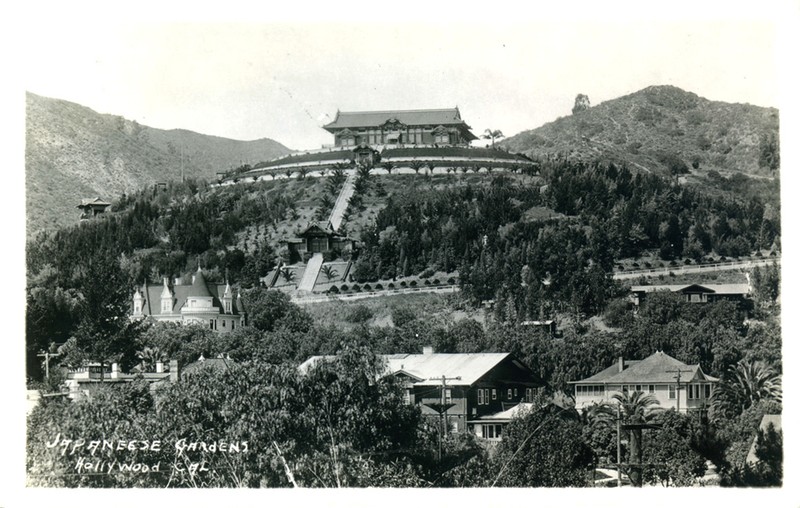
[(73, 152), (660, 128)]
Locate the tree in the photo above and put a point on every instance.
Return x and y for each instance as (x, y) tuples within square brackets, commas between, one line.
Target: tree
[(268, 309), (388, 166), (553, 436), (581, 103), (104, 333), (670, 456), (742, 386), (416, 166), (637, 409), (288, 274), (492, 134)]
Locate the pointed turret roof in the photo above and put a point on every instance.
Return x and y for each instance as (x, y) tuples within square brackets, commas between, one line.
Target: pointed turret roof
[(199, 287)]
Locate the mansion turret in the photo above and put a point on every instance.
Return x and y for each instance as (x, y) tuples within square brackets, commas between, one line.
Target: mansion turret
[(418, 126), (212, 305)]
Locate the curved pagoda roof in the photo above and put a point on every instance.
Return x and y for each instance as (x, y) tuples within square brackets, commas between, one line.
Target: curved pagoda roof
[(349, 119)]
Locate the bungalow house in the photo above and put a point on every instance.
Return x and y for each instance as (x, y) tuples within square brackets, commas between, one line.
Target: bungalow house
[(673, 383), (694, 293), (459, 387)]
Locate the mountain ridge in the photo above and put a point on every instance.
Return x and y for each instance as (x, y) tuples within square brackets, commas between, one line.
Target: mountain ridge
[(74, 152), (662, 128)]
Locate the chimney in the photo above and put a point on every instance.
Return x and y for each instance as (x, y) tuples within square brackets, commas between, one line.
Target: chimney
[(621, 364), (174, 375), (159, 367), (427, 350)]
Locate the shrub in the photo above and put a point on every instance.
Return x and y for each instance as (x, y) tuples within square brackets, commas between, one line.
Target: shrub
[(451, 281), (436, 282), (427, 273), (379, 286), (359, 314), (345, 287), (403, 284), (391, 285), (333, 289), (356, 288), (413, 283), (367, 287), (427, 282)]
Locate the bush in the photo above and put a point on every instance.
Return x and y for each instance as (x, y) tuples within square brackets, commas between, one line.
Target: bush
[(379, 287), (359, 314), (401, 316), (403, 284), (427, 282), (333, 289), (687, 261), (345, 287), (391, 285), (356, 288), (427, 273), (367, 287), (451, 281), (413, 283), (436, 282)]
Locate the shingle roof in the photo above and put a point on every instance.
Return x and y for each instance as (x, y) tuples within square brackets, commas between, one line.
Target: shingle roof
[(430, 368), (199, 286), (344, 119), (508, 414), (656, 368), (180, 292)]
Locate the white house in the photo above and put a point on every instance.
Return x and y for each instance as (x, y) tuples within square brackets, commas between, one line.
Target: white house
[(673, 383)]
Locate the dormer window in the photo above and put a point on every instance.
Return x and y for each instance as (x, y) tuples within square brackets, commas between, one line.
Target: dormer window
[(166, 306), (137, 307), (228, 307)]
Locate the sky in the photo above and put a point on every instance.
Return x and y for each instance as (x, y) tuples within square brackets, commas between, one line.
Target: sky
[(283, 77)]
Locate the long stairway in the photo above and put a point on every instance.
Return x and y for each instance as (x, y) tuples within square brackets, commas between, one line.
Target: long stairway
[(310, 274), (315, 263), (341, 202)]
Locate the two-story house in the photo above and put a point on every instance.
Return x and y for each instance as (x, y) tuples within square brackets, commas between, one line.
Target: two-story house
[(460, 387), (673, 383)]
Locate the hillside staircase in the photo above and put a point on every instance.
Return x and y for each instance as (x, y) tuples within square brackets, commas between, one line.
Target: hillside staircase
[(341, 202), (311, 273)]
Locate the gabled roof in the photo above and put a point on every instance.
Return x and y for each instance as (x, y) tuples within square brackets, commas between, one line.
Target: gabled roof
[(449, 116), (93, 201), (429, 368), (656, 368), (719, 289), (605, 374), (508, 414)]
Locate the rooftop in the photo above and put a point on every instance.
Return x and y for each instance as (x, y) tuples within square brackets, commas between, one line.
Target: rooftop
[(346, 119), (656, 368)]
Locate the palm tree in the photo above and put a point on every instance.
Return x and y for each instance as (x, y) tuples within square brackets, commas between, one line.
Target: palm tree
[(329, 272), (150, 356), (430, 166), (388, 166), (492, 134), (288, 173), (416, 166), (637, 408), (302, 172), (287, 274), (743, 385)]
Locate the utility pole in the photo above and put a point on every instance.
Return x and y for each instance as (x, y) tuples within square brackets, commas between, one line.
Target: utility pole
[(619, 448), (678, 391), (441, 407), (47, 355)]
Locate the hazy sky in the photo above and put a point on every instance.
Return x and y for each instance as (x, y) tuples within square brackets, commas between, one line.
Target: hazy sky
[(279, 79)]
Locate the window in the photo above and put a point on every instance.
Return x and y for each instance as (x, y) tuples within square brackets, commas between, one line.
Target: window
[(233, 325), (515, 393), (223, 323), (651, 388), (227, 307), (529, 394), (166, 305), (494, 393), (508, 394), (407, 397), (211, 323), (480, 397), (137, 307), (448, 396), (707, 391), (638, 388), (671, 391)]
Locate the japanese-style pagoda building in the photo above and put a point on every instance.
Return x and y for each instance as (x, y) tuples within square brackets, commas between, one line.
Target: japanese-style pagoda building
[(418, 126), (402, 139)]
